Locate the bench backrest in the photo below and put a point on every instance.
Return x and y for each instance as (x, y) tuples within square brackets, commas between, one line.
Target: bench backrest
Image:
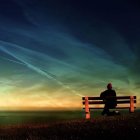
[(90, 103)]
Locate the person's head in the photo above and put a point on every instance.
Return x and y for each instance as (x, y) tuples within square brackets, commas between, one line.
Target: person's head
[(109, 86)]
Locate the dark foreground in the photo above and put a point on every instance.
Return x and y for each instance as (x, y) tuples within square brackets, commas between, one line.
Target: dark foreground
[(110, 127)]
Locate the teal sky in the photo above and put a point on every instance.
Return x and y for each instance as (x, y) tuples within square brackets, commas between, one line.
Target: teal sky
[(54, 52)]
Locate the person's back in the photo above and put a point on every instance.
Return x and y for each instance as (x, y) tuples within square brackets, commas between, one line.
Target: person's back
[(109, 98)]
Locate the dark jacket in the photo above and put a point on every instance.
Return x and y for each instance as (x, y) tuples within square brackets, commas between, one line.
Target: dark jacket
[(109, 98)]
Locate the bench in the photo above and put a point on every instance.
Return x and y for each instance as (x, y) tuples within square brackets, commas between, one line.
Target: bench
[(96, 102)]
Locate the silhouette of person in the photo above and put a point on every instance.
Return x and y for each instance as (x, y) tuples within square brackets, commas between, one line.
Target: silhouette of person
[(109, 98)]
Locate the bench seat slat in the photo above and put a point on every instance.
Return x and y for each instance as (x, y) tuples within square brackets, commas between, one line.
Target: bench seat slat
[(114, 108), (98, 98), (101, 102)]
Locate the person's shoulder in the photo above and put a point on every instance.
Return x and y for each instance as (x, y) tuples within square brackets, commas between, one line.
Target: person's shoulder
[(103, 91), (113, 90)]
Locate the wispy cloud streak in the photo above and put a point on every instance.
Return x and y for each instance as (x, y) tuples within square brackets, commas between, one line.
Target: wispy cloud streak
[(5, 48)]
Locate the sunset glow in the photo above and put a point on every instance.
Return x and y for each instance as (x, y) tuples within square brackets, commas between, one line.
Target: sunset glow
[(53, 53)]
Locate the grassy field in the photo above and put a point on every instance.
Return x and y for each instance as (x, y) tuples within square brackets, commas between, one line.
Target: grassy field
[(70, 125), (27, 117), (35, 117)]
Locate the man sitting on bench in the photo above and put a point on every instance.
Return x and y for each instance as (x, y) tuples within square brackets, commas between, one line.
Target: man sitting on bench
[(110, 101)]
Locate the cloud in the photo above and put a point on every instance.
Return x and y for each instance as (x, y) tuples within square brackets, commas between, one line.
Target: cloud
[(28, 61), (67, 50)]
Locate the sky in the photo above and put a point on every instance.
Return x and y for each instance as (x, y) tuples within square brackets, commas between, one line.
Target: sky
[(53, 52)]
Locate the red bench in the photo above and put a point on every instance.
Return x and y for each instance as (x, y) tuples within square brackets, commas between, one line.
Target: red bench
[(95, 102)]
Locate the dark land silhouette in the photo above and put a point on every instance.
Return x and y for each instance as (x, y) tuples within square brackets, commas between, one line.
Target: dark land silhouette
[(124, 126)]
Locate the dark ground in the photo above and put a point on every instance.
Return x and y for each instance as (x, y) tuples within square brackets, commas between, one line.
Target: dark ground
[(111, 127)]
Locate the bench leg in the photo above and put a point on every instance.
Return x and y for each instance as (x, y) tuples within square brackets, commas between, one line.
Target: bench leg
[(87, 111), (131, 104), (87, 115)]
